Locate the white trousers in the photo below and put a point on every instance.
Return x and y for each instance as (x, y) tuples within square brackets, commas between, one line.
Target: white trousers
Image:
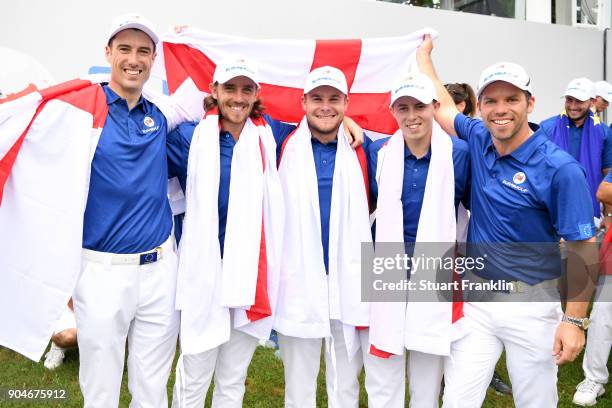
[(599, 334), (425, 373), (301, 366), (115, 302), (229, 362), (385, 378), (301, 359), (526, 330)]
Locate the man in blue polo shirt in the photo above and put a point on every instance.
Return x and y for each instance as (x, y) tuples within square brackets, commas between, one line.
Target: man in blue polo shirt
[(578, 131), (127, 282), (413, 104), (524, 189)]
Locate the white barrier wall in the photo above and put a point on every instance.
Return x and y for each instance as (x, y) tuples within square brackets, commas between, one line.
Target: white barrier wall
[(68, 36)]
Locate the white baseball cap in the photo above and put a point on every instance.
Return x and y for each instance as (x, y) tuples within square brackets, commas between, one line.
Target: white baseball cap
[(604, 89), (326, 75), (133, 20), (580, 88), (508, 72), (415, 84), (234, 66)]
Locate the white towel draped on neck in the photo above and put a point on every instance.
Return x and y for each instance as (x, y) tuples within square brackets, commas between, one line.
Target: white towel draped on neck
[(419, 325), (308, 298), (207, 286)]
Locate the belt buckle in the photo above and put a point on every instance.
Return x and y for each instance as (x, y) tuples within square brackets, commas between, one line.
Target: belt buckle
[(151, 256)]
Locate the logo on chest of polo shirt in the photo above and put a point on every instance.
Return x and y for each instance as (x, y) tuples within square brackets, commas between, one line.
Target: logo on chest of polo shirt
[(148, 122), (519, 178)]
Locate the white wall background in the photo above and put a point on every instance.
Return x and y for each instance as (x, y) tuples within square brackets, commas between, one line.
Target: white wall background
[(68, 36)]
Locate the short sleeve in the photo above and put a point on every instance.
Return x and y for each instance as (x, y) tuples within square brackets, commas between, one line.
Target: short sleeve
[(468, 128), (177, 145), (571, 208)]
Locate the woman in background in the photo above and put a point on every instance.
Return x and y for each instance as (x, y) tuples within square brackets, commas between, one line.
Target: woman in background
[(464, 98)]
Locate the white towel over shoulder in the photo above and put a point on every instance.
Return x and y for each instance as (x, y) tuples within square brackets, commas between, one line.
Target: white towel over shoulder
[(209, 287), (418, 325), (308, 297)]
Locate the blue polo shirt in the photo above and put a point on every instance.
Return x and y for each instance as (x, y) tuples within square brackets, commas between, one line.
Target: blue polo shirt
[(537, 195), (415, 177), (608, 178), (127, 207), (178, 143), (575, 139), (325, 161)]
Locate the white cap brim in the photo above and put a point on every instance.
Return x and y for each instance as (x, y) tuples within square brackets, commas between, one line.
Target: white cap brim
[(221, 79), (522, 87), (136, 26), (581, 96), (326, 83), (421, 98)]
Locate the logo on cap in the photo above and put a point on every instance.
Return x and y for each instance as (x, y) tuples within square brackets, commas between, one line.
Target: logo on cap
[(148, 121), (519, 178), (130, 19)]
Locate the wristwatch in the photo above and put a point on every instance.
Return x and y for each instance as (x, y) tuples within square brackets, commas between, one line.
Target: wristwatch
[(583, 322)]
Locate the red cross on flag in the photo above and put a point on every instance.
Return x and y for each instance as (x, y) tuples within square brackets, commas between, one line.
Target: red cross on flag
[(371, 66)]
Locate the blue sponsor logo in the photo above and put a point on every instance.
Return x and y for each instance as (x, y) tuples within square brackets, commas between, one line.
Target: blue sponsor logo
[(586, 231), (406, 86), (148, 258)]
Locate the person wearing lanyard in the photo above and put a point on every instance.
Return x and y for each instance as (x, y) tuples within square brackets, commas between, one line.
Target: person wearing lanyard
[(128, 274), (524, 189), (578, 131)]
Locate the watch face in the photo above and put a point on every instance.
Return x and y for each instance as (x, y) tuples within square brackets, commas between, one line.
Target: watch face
[(585, 323)]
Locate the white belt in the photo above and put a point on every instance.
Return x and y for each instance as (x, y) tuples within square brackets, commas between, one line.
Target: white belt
[(141, 258)]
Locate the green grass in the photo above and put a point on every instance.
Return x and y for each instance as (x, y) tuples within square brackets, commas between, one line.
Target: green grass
[(264, 387)]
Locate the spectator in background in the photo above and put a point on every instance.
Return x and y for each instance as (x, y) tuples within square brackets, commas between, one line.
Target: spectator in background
[(603, 96), (578, 131), (464, 97)]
